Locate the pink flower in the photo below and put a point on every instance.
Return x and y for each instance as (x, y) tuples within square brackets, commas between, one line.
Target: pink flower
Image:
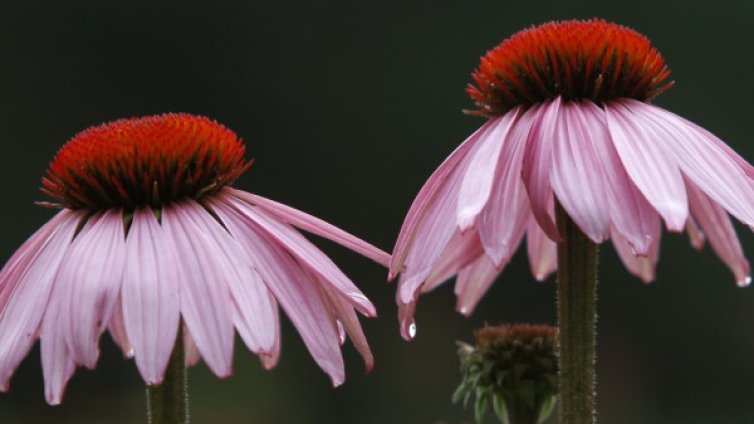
[(151, 237), (570, 122)]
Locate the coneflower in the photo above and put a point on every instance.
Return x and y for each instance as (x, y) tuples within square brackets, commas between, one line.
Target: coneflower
[(572, 152), (152, 243)]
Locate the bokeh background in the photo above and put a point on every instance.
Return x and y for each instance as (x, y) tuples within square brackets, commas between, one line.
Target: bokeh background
[(347, 107)]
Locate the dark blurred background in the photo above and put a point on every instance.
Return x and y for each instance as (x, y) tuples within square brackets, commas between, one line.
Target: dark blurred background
[(347, 108)]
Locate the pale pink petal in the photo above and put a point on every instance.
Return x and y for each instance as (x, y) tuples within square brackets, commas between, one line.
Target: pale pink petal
[(206, 304), (650, 166), (150, 294), (270, 359), (13, 271), (473, 282), (346, 315), (480, 172), (297, 294), (433, 192), (630, 213), (715, 223), (706, 165), (577, 177), (406, 313), (92, 271), (503, 220), (58, 364), (460, 251), (303, 250), (313, 225), (22, 315), (117, 328), (537, 165), (696, 235), (192, 355), (543, 252), (253, 304), (641, 266)]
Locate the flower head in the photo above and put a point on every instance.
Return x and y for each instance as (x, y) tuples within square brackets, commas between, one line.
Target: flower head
[(151, 237), (514, 368), (570, 124)]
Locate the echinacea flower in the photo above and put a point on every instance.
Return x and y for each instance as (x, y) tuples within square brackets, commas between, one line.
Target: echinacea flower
[(151, 237), (570, 123)]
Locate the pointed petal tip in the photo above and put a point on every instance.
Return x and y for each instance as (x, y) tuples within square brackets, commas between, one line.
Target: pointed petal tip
[(408, 331), (744, 282)]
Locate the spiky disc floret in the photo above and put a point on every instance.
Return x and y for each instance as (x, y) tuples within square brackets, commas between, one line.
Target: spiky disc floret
[(151, 161), (591, 59)]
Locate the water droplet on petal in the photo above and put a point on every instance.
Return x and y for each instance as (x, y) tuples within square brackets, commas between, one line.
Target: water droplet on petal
[(412, 330), (464, 310), (745, 282), (130, 353)]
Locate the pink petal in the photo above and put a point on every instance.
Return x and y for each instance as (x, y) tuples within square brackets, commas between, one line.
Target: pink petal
[(460, 251), (205, 297), (630, 213), (649, 164), (117, 328), (473, 282), (13, 271), (58, 364), (577, 177), (192, 355), (296, 292), (347, 316), (480, 172), (543, 252), (707, 166), (22, 315), (92, 271), (270, 359), (304, 251), (696, 235), (253, 305), (537, 165), (150, 294), (715, 223), (313, 225), (406, 313), (504, 219), (641, 266), (433, 192)]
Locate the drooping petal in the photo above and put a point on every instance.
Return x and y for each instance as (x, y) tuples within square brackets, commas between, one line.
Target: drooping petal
[(192, 355), (473, 282), (13, 271), (433, 192), (480, 173), (313, 225), (462, 249), (117, 328), (696, 235), (706, 165), (346, 315), (23, 312), (538, 165), (296, 293), (305, 252), (253, 304), (577, 177), (715, 223), (92, 272), (543, 252), (641, 266), (503, 220), (206, 304), (406, 311), (58, 364), (150, 294), (630, 213), (648, 163)]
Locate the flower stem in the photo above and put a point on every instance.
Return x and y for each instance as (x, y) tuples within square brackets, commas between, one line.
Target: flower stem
[(168, 402), (577, 316)]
